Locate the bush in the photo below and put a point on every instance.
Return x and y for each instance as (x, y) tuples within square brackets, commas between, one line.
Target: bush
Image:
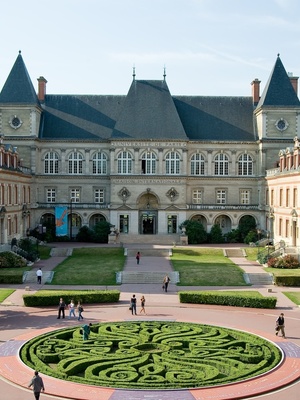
[(51, 297), (291, 281), (85, 234), (287, 261), (251, 237), (227, 299), (11, 260), (216, 235), (195, 231), (101, 232)]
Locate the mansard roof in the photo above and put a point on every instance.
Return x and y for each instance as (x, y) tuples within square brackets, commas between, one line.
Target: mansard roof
[(18, 88), (279, 91)]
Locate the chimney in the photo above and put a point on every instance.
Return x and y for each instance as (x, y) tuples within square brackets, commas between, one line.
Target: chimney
[(42, 88), (255, 91), (294, 81)]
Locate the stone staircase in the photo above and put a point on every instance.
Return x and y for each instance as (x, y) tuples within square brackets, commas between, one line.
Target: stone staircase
[(146, 277), (231, 253), (30, 277), (148, 252), (60, 252), (149, 239), (258, 279)]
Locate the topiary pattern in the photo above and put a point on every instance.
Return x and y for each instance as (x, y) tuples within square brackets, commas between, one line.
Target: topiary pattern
[(151, 355)]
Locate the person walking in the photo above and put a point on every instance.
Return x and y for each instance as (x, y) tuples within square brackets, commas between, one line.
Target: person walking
[(280, 325), (37, 385), (39, 275), (138, 257), (79, 310), (61, 308), (143, 300), (71, 308), (166, 283), (133, 304)]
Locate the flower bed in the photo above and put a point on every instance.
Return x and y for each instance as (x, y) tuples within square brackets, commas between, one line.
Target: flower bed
[(151, 355)]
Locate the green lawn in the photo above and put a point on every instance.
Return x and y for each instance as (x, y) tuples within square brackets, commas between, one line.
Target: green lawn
[(4, 293), (283, 271), (90, 266), (44, 252), (251, 253), (293, 296), (206, 267)]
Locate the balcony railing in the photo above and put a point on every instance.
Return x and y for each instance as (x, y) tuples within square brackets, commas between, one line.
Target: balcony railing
[(228, 207)]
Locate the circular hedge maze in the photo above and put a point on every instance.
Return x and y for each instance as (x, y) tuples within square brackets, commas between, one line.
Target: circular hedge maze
[(151, 355)]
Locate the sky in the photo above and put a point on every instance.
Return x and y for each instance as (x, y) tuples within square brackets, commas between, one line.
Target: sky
[(207, 47)]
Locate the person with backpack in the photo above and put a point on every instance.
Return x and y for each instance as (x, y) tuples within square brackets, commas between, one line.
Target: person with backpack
[(280, 325), (79, 310), (166, 283)]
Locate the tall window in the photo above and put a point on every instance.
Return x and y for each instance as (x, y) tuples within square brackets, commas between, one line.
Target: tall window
[(51, 163), (245, 196), (295, 194), (221, 164), (172, 163), (221, 197), (148, 163), (287, 228), (51, 195), (75, 195), (280, 197), (75, 163), (197, 164), (197, 196), (272, 198), (287, 197), (99, 196), (124, 163), (100, 164), (245, 165)]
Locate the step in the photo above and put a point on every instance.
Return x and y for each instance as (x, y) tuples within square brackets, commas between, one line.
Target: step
[(30, 277), (149, 239), (146, 277), (259, 279), (61, 252), (131, 252), (234, 253)]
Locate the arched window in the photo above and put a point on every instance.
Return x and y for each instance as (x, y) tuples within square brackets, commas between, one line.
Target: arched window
[(149, 163), (172, 163), (75, 163), (51, 163), (221, 164), (197, 164), (124, 163), (100, 164), (245, 165)]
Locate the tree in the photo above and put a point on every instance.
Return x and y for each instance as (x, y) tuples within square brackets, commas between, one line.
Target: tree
[(195, 231), (101, 232), (216, 235)]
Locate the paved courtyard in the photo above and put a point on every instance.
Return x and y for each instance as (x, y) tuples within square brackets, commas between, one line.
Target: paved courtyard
[(19, 323)]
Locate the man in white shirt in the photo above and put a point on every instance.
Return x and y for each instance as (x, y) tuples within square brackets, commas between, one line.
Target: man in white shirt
[(39, 275)]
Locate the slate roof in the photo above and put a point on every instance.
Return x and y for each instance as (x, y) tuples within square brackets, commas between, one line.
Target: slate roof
[(279, 91), (148, 111), (18, 88)]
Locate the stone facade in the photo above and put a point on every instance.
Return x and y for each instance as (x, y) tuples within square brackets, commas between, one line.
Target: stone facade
[(148, 161)]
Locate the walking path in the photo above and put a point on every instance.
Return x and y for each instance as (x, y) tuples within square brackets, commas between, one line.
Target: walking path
[(18, 324)]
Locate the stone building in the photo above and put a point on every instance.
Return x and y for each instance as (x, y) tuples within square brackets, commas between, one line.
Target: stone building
[(149, 160)]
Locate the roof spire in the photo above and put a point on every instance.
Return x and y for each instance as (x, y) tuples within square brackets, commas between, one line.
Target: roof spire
[(133, 72), (164, 73)]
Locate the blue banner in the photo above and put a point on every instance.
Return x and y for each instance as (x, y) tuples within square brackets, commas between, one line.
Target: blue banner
[(61, 221)]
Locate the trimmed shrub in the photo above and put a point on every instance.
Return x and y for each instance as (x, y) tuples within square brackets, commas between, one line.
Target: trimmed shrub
[(44, 298), (287, 261), (9, 259), (291, 281), (227, 299)]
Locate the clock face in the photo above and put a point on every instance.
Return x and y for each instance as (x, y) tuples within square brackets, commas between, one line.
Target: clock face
[(281, 124)]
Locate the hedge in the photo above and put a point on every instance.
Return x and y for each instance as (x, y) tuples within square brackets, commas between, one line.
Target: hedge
[(226, 299), (287, 280), (151, 355), (44, 298), (15, 278)]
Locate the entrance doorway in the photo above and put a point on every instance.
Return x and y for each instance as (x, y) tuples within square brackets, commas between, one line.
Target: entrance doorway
[(148, 222)]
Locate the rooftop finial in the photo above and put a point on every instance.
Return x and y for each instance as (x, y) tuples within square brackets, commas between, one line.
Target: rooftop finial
[(278, 55), (165, 73), (133, 72), (19, 51)]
